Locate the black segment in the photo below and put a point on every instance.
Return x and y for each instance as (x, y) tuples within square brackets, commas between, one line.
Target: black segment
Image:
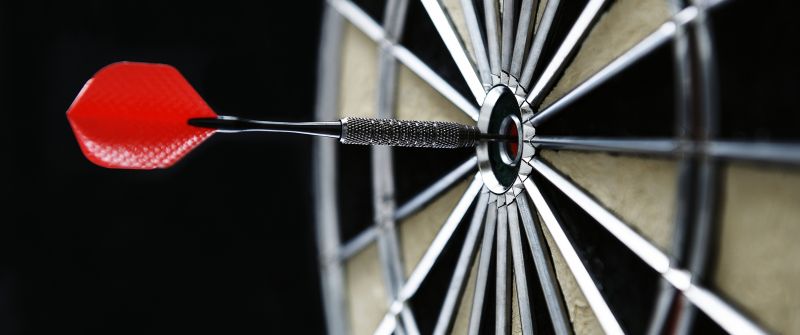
[(759, 72), (481, 16), (417, 168), (639, 102), (627, 284), (702, 324), (354, 190), (373, 8), (517, 13), (422, 39)]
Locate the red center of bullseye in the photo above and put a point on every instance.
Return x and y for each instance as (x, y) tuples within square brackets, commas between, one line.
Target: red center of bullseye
[(512, 146)]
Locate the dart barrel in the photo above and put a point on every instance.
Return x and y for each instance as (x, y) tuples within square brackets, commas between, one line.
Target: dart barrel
[(421, 134)]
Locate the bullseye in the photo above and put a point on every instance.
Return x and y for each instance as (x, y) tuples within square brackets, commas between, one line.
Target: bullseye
[(512, 146), (499, 162), (509, 151)]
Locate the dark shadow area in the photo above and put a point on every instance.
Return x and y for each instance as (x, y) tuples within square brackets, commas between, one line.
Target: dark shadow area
[(757, 82), (223, 242)]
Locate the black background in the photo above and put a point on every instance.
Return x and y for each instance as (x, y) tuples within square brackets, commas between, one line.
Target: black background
[(222, 242)]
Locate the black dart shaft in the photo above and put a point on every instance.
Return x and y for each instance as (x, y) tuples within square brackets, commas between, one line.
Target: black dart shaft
[(233, 125), (365, 131)]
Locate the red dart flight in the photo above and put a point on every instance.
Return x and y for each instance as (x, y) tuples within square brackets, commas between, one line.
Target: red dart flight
[(134, 116)]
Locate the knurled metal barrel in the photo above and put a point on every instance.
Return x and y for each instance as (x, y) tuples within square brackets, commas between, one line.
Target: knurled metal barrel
[(422, 134)]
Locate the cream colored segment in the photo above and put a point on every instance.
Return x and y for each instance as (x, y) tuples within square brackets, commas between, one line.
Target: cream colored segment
[(625, 23), (359, 77), (642, 191), (461, 323), (580, 314), (456, 13), (366, 294), (416, 100), (516, 323), (758, 264), (418, 231)]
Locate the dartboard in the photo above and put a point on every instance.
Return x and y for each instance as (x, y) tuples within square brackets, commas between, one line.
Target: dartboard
[(651, 185)]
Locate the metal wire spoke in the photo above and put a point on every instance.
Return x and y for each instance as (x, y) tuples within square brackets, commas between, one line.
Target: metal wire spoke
[(520, 277), (425, 264), (431, 192), (394, 19), (783, 153), (596, 301), (430, 256), (358, 243), (388, 324), (483, 266), (475, 36), (539, 38), (359, 19), (570, 45), (502, 291), (491, 20), (373, 30), (721, 312), (725, 315), (661, 146), (544, 268), (764, 152), (461, 271), (507, 43), (659, 37), (419, 201), (649, 253), (524, 31), (455, 46), (409, 324), (645, 47), (435, 81)]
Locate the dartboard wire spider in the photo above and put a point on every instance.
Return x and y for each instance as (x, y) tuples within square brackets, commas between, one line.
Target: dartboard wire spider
[(502, 61)]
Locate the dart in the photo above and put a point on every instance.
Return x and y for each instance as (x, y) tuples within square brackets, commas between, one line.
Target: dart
[(147, 116)]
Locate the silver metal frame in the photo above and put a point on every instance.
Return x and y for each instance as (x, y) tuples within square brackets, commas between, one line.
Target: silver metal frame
[(507, 55), (482, 149)]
